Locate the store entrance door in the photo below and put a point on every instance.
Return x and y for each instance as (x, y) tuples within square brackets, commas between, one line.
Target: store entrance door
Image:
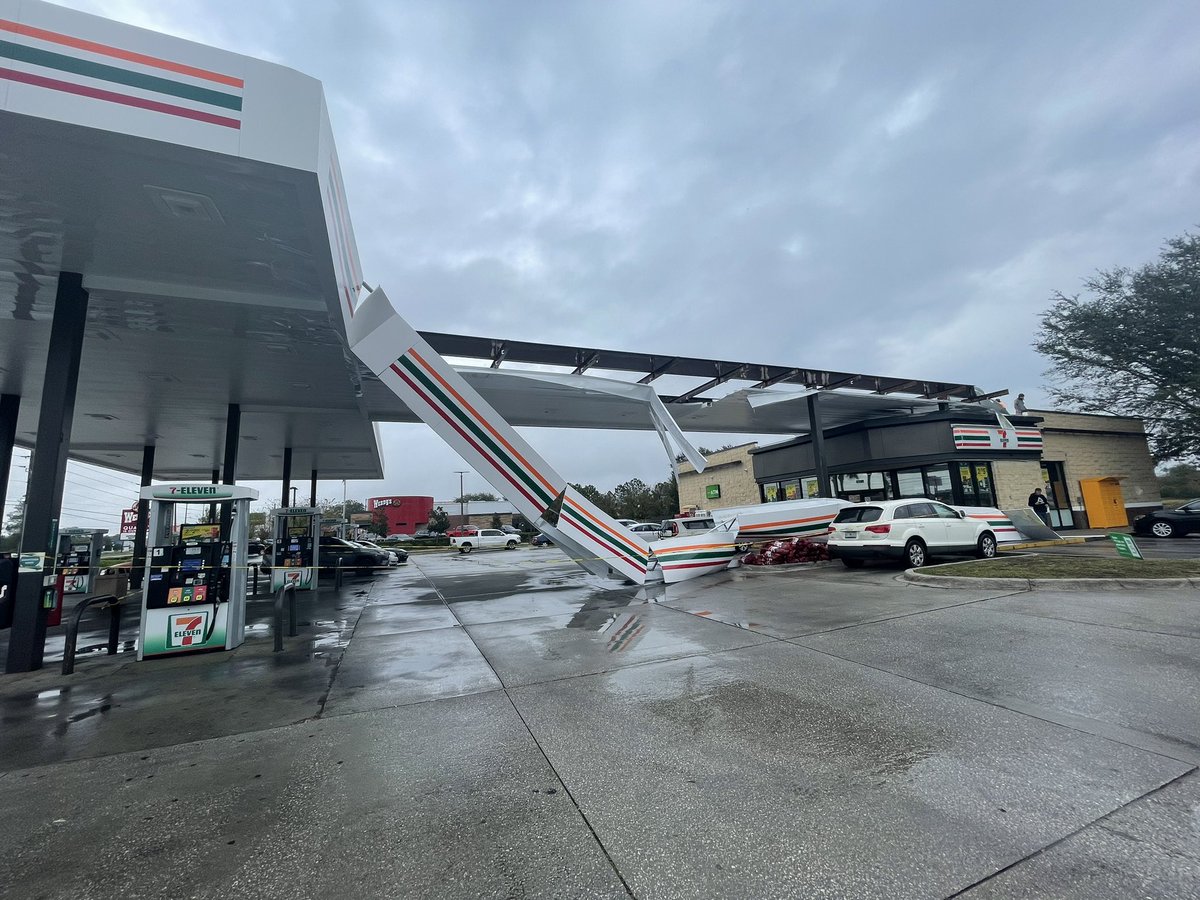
[(1055, 480)]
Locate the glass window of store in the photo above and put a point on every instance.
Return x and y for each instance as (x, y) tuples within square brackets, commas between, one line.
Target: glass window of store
[(910, 483), (975, 484), (938, 484)]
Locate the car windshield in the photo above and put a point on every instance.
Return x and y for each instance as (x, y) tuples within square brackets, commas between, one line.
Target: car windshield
[(859, 514)]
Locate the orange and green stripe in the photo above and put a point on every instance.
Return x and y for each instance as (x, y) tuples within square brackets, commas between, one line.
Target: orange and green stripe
[(56, 61)]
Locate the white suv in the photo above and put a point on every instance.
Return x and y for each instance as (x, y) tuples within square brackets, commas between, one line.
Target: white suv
[(910, 530)]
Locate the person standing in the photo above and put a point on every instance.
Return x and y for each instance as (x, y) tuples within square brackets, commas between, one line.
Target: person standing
[(1039, 504), (1019, 406)]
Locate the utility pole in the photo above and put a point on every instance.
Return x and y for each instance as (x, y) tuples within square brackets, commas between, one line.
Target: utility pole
[(345, 522), (462, 503), (293, 495)]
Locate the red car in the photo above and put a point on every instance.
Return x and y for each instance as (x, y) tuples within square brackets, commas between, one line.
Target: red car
[(462, 531)]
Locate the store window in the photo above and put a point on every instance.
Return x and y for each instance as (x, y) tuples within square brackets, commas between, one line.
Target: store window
[(791, 489), (910, 483), (859, 486), (975, 484), (770, 492), (938, 484)]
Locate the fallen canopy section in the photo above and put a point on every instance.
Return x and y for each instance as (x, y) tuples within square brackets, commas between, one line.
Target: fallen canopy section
[(429, 386)]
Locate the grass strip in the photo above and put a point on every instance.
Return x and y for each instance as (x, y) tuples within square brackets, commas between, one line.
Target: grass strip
[(1071, 567)]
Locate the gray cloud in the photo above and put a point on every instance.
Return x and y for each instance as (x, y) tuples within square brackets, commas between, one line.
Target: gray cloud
[(896, 188)]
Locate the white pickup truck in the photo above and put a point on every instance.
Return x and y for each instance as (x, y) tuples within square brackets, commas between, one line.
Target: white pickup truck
[(483, 539)]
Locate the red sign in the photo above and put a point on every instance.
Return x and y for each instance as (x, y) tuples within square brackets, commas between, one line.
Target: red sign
[(129, 519)]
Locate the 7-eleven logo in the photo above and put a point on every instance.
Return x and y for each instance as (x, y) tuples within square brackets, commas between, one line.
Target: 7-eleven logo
[(186, 629)]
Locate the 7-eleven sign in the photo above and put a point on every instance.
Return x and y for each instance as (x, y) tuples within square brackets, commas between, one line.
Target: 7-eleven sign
[(186, 629)]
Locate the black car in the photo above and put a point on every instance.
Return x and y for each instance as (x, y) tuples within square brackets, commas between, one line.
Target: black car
[(1165, 523), (540, 540), (362, 560)]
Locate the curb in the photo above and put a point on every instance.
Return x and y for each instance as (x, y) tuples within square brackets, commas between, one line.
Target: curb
[(1052, 584), (1027, 545)]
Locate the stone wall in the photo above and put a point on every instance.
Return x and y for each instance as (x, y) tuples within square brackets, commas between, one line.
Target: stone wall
[(731, 469), (1015, 480), (1095, 446)]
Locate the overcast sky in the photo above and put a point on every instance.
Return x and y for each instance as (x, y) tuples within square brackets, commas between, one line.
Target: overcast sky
[(894, 188)]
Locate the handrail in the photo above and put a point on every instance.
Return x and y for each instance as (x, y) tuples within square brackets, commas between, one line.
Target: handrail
[(114, 627), (288, 590)]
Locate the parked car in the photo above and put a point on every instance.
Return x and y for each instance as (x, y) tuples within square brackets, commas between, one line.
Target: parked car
[(424, 534), (402, 538), (363, 560), (1166, 523), (649, 531), (540, 540), (484, 538), (910, 530), (255, 555), (460, 530), (396, 555)]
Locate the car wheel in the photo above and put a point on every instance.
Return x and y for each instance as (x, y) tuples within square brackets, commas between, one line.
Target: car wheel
[(915, 554), (1162, 529), (987, 546), (464, 548), (510, 545), (852, 563)]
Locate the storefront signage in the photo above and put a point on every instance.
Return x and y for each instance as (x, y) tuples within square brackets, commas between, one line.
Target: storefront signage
[(193, 492), (129, 520), (712, 492), (992, 437)]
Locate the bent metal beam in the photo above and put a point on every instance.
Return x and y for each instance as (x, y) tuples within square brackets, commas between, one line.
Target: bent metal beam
[(405, 362)]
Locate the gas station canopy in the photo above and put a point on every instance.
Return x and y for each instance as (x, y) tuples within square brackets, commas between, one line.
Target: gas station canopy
[(198, 195)]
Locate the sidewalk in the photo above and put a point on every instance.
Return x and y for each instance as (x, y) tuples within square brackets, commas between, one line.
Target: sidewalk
[(502, 725)]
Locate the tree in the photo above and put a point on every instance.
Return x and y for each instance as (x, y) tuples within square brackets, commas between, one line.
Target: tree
[(596, 496), (1180, 482), (379, 521), (438, 520), (1133, 347), (481, 496), (13, 524), (496, 523), (333, 508)]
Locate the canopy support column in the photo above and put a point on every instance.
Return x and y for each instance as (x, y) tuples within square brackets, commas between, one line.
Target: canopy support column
[(48, 471)]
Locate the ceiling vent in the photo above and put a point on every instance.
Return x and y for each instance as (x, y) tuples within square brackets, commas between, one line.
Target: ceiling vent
[(184, 205)]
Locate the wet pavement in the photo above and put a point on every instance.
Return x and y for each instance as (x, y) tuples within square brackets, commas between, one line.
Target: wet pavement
[(504, 725)]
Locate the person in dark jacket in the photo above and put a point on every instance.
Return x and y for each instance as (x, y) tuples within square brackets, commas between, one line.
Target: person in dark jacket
[(1039, 504)]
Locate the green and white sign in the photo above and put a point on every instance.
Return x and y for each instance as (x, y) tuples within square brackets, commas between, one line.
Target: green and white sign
[(712, 492), (1125, 546)]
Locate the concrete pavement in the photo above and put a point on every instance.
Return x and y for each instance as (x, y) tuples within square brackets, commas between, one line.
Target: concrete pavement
[(502, 725)]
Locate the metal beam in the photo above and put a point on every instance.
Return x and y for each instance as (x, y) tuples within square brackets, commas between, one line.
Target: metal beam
[(47, 471), (233, 434), (586, 362), (10, 406), (287, 477), (817, 431), (712, 383), (138, 571), (658, 370), (775, 379), (499, 351)]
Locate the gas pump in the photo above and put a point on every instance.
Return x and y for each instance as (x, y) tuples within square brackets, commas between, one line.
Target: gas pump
[(194, 590), (76, 565), (295, 544)]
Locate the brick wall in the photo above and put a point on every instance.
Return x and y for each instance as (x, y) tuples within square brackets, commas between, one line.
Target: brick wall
[(730, 469), (1092, 446), (1015, 480)]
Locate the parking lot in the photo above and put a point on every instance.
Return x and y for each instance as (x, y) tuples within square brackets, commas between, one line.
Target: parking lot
[(503, 725)]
